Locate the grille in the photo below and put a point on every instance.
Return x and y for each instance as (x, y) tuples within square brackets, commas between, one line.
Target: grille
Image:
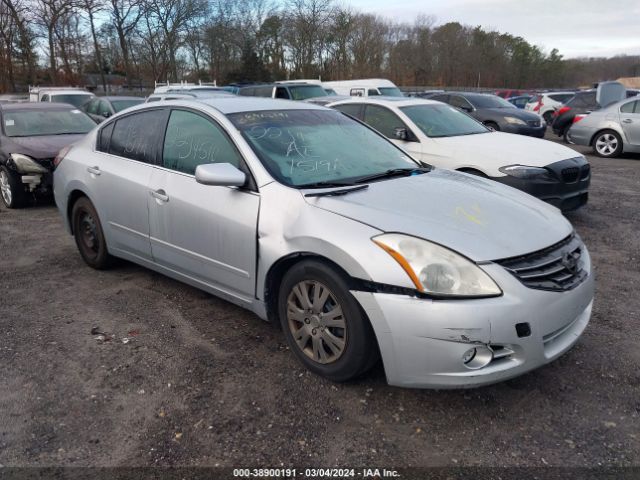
[(556, 268), (570, 174), (533, 123), (585, 171)]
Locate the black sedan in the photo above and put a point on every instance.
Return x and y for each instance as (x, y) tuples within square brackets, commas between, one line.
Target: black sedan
[(495, 112), (101, 108), (31, 136)]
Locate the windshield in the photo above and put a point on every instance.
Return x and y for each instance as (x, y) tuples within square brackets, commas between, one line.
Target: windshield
[(75, 100), (119, 105), (489, 101), (390, 92), (33, 123), (304, 147), (442, 121), (306, 91)]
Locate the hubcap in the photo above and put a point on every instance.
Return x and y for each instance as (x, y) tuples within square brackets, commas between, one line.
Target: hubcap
[(316, 321), (89, 233), (5, 188), (606, 144)]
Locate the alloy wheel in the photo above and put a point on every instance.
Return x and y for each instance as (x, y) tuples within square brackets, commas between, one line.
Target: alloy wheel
[(606, 144), (316, 321), (5, 188)]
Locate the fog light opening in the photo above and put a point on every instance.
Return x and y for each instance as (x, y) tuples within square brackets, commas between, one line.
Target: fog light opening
[(477, 357)]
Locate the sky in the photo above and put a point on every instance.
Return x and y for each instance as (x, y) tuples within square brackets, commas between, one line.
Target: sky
[(577, 28)]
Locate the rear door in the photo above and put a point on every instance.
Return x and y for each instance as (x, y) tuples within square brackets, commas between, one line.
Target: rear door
[(630, 121), (206, 233), (119, 175)]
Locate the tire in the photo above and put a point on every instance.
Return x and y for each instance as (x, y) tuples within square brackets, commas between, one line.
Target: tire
[(493, 125), (338, 352), (87, 231), (565, 136), (607, 144), (548, 117), (11, 189)]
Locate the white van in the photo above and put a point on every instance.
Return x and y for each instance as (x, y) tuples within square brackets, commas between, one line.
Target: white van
[(367, 87), (71, 95)]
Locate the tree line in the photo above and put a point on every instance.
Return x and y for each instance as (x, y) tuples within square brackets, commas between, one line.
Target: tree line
[(59, 42)]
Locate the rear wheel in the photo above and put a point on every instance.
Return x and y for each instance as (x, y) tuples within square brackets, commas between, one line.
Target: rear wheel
[(324, 325), (11, 189), (565, 136), (607, 144), (88, 234)]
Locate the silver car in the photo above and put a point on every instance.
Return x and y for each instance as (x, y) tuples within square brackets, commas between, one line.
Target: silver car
[(313, 220), (611, 130)]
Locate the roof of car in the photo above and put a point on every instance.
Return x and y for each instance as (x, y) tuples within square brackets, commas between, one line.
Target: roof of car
[(382, 100), (235, 104), (7, 107)]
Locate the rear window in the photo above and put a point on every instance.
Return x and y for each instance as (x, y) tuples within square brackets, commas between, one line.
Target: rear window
[(119, 105), (561, 97), (34, 123), (75, 100)]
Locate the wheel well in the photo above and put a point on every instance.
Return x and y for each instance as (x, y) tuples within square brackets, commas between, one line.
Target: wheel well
[(277, 272), (73, 198)]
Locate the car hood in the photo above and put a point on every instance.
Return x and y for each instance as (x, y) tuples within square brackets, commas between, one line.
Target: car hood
[(497, 149), (478, 218), (41, 147)]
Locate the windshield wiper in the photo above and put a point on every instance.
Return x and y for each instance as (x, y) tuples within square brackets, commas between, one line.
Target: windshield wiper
[(326, 184), (333, 193), (394, 172)]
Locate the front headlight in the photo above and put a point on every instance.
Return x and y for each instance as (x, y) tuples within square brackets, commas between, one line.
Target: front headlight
[(437, 270), (526, 172), (26, 164), (515, 121)]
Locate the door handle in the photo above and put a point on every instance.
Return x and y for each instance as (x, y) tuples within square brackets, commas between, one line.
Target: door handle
[(94, 170), (627, 120), (160, 195)]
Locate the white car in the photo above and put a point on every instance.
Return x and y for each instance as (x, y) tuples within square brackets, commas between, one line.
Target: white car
[(546, 103), (367, 87), (442, 135), (69, 95)]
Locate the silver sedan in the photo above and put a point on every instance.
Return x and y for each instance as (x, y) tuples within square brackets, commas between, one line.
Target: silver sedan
[(610, 131), (312, 220)]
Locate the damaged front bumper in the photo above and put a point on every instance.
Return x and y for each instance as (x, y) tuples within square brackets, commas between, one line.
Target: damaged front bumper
[(424, 343)]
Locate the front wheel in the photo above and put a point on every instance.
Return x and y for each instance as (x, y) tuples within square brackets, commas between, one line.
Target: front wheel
[(324, 325), (607, 144), (88, 234), (493, 126), (11, 190)]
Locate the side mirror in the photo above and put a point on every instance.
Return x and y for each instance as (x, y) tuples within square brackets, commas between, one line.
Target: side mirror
[(401, 133), (106, 114), (220, 174), (466, 109)]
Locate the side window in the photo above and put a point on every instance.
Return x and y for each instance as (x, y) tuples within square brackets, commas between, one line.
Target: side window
[(45, 98), (263, 92), (136, 136), (353, 109), (630, 107), (383, 120), (372, 92), (193, 140), (282, 92), (91, 106), (460, 102), (105, 137)]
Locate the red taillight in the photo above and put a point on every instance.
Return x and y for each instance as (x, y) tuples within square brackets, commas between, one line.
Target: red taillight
[(578, 117), (563, 110), (61, 154)]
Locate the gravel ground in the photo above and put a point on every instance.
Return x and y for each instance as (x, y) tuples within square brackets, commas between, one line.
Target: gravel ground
[(202, 382)]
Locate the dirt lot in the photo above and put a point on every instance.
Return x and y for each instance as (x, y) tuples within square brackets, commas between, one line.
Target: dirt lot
[(203, 382)]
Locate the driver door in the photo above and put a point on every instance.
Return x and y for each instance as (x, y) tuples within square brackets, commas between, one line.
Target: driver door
[(205, 233)]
